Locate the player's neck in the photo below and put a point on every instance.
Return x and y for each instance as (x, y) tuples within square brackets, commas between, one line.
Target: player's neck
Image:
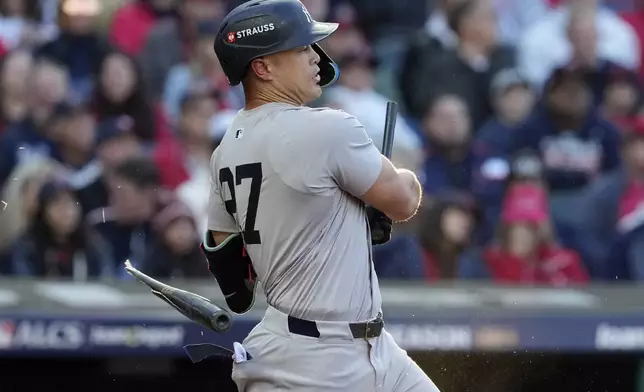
[(257, 97)]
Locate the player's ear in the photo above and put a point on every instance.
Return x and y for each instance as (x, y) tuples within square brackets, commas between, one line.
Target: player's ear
[(261, 68)]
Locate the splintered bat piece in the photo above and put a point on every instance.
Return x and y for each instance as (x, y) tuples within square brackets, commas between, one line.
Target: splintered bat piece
[(193, 306)]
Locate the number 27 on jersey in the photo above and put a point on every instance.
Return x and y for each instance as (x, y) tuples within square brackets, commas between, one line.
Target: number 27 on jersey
[(252, 171)]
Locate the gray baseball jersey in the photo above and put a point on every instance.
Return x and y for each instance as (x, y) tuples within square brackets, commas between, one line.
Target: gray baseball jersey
[(288, 178)]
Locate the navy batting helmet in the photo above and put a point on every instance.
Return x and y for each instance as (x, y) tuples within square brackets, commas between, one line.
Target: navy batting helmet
[(262, 27)]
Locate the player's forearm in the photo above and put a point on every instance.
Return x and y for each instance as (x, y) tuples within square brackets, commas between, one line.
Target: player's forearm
[(412, 189)]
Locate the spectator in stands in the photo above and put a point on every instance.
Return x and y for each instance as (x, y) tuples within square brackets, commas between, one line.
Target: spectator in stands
[(201, 67), (574, 142), (21, 24), (355, 94), (424, 46), (428, 43), (582, 35), (79, 47), (72, 129), (450, 163), (57, 244), (198, 143), (525, 251), (498, 172), (512, 101), (114, 143), (466, 70), (19, 203), (384, 20), (622, 96), (169, 40), (132, 23), (14, 74), (446, 227), (120, 91), (523, 168), (177, 253), (48, 83), (136, 198), (514, 17), (613, 213), (544, 46), (348, 39)]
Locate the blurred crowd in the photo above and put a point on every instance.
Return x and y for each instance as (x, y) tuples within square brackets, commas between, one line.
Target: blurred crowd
[(524, 120)]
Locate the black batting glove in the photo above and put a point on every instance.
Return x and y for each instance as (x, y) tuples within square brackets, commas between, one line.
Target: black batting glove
[(380, 226)]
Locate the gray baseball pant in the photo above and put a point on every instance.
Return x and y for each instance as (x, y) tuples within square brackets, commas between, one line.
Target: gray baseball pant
[(334, 362)]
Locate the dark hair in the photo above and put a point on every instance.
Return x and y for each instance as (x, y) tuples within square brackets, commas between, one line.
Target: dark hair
[(458, 12), (137, 105), (42, 231), (564, 75), (432, 102), (431, 214), (140, 171), (33, 10)]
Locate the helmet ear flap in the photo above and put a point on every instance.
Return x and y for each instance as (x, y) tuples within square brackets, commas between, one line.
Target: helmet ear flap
[(329, 70)]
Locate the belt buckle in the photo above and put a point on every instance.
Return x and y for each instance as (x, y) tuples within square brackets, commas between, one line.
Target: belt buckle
[(370, 325)]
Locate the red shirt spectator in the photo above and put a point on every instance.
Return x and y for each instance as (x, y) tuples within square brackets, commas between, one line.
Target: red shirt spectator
[(169, 158), (3, 50), (130, 26), (526, 251)]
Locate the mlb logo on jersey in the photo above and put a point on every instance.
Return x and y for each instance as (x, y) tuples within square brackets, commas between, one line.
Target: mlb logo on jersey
[(239, 133)]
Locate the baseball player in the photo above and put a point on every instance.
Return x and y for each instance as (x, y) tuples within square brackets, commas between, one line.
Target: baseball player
[(289, 190)]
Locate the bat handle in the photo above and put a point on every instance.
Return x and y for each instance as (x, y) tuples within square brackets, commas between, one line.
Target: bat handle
[(377, 235), (390, 126), (221, 321)]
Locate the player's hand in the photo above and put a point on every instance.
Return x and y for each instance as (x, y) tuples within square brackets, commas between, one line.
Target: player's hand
[(380, 226)]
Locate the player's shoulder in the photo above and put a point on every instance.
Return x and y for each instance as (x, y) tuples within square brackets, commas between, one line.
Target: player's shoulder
[(317, 125), (323, 116)]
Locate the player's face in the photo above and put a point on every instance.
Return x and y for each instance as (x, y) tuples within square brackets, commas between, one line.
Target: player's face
[(295, 73)]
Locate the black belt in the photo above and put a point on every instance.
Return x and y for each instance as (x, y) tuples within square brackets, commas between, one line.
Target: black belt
[(368, 330)]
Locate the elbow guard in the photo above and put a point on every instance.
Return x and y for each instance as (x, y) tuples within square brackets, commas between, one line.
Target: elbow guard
[(233, 269)]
